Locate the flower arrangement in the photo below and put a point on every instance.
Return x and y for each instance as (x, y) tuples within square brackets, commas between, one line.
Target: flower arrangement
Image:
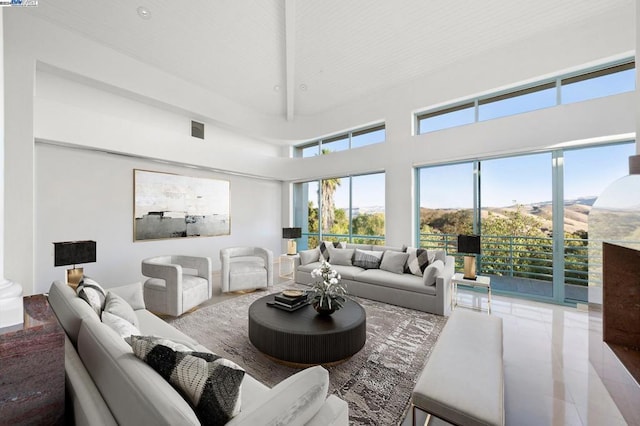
[(328, 294)]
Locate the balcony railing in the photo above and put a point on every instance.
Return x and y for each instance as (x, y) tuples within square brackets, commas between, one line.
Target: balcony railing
[(519, 256)]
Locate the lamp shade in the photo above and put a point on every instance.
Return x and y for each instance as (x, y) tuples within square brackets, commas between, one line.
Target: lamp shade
[(290, 233), (469, 244), (74, 252)]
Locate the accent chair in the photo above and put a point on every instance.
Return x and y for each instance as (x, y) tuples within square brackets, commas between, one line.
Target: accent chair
[(177, 283), (246, 268)]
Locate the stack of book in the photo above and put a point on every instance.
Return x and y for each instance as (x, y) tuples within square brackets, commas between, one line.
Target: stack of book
[(290, 302)]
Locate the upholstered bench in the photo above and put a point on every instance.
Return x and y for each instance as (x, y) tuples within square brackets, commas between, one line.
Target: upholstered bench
[(463, 381)]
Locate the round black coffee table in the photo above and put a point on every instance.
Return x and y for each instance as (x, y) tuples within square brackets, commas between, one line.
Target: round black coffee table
[(303, 337)]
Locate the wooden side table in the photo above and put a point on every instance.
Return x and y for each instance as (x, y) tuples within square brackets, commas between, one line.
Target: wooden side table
[(32, 367), (480, 282)]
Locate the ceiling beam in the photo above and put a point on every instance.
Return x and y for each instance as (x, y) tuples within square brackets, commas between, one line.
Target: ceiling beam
[(290, 54)]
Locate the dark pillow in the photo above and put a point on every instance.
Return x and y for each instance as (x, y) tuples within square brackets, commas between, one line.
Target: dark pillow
[(367, 259), (211, 384), (417, 262)]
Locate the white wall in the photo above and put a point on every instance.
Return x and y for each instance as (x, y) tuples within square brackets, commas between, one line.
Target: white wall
[(88, 195)]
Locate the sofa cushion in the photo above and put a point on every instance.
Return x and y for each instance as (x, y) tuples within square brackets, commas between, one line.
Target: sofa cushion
[(367, 259), (92, 293), (209, 382), (309, 256), (70, 309), (341, 256), (432, 272), (132, 294), (408, 282), (394, 261), (151, 325), (134, 392), (118, 324), (116, 305), (417, 262), (392, 248), (294, 401)]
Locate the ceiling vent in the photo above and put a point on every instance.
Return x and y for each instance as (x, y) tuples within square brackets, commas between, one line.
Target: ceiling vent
[(197, 129)]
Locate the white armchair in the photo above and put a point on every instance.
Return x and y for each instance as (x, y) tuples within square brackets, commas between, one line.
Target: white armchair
[(246, 268), (176, 283)]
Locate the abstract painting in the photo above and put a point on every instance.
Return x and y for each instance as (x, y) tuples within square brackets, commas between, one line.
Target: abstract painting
[(174, 206)]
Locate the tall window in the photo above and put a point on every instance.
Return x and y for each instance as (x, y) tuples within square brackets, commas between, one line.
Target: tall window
[(341, 209), (531, 212), (343, 141)]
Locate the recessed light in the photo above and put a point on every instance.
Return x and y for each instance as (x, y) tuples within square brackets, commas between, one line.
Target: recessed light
[(303, 87), (143, 12), (276, 88)]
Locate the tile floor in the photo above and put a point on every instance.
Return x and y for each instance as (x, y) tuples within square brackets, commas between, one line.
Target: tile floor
[(548, 377)]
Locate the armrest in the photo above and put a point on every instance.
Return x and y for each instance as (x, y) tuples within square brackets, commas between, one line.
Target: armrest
[(201, 264), (294, 401)]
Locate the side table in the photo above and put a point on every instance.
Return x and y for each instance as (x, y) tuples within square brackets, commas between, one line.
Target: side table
[(286, 265), (32, 367), (480, 282)]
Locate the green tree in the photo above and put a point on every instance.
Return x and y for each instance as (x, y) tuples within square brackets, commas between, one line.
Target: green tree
[(515, 244)]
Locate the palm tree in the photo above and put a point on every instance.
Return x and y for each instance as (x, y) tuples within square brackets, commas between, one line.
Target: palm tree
[(327, 190)]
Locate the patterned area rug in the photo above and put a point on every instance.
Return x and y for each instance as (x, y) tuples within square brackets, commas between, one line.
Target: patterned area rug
[(376, 382)]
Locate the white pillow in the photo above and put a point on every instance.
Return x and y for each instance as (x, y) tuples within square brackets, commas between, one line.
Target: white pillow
[(394, 261), (117, 306), (432, 272), (341, 256), (92, 293), (293, 401), (309, 256), (120, 325), (132, 294)]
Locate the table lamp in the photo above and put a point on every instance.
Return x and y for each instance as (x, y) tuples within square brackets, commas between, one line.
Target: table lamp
[(74, 253), (469, 244), (291, 234)]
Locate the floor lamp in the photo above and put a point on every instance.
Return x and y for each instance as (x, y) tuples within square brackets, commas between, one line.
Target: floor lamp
[(469, 245), (74, 253)]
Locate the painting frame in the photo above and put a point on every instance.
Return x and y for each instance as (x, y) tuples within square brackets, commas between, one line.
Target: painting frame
[(174, 206)]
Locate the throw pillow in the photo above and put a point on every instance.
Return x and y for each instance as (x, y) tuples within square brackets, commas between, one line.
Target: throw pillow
[(367, 259), (432, 272), (132, 294), (309, 256), (438, 255), (324, 249), (394, 261), (156, 340), (120, 325), (116, 305), (92, 293), (341, 256), (211, 384), (417, 262)]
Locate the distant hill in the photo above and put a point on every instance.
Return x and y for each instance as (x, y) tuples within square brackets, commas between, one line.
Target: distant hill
[(576, 213)]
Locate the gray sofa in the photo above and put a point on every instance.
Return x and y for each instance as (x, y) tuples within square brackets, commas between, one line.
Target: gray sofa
[(107, 384), (424, 293)]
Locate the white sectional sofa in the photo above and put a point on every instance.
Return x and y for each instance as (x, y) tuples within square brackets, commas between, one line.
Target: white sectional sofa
[(429, 292), (108, 385)]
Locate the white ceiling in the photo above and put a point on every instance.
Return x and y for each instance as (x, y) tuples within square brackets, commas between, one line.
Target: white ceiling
[(338, 50)]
